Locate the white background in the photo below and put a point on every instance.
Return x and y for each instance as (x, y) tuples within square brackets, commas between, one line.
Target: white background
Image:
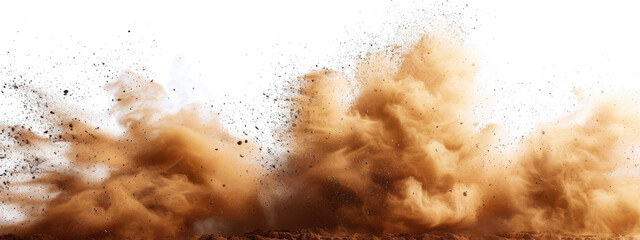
[(532, 55)]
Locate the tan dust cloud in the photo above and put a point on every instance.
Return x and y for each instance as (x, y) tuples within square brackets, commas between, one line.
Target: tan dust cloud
[(402, 157), (169, 171), (567, 178)]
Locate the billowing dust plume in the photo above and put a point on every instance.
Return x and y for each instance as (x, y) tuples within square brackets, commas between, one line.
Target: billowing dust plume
[(402, 157), (169, 171)]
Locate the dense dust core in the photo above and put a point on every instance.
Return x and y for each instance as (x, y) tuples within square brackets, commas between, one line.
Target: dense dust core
[(403, 157)]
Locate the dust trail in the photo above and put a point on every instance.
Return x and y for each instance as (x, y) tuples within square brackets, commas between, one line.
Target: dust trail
[(403, 157), (168, 172)]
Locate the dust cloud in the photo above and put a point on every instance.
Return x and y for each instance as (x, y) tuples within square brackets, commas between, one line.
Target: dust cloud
[(403, 157)]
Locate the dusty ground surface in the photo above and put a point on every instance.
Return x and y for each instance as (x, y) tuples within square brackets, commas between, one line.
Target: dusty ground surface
[(307, 234)]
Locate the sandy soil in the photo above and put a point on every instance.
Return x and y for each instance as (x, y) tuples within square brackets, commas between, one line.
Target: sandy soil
[(307, 234)]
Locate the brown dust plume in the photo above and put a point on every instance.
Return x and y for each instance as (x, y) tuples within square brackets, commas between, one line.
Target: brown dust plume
[(169, 171), (403, 157)]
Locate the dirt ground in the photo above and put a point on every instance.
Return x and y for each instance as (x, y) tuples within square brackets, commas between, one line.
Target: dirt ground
[(305, 234), (313, 235)]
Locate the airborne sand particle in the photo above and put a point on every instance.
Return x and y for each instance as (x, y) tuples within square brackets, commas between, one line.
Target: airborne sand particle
[(399, 159)]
